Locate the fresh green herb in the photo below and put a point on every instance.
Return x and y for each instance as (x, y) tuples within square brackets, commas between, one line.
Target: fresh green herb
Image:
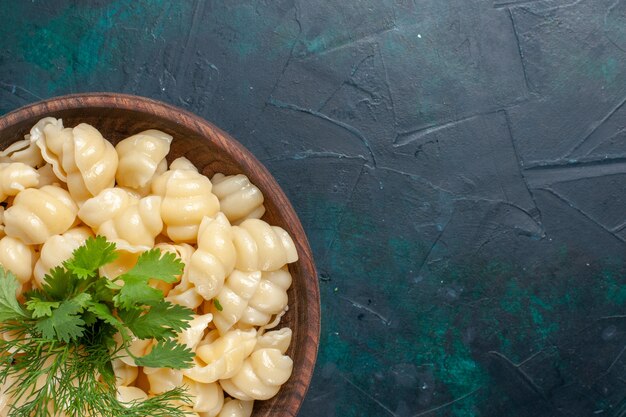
[(92, 255), (10, 308), (58, 345), (151, 265), (217, 304)]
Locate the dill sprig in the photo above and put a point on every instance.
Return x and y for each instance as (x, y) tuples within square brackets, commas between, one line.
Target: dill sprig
[(57, 346)]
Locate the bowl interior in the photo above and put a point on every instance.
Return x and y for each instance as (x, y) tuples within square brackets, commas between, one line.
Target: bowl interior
[(211, 150)]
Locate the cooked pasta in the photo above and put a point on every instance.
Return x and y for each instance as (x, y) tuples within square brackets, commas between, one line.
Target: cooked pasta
[(57, 249), (223, 357), (50, 136), (192, 336), (163, 379), (260, 376), (25, 151), (236, 408), (136, 227), (48, 177), (90, 162), (61, 185), (239, 198), (233, 298), (130, 394), (121, 217), (38, 214), (187, 198), (208, 399), (270, 298), (215, 257), (124, 374), (275, 339), (140, 157), (17, 257), (261, 247), (16, 177), (184, 293)]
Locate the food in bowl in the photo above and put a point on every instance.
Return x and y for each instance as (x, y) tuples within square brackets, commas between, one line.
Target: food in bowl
[(61, 187)]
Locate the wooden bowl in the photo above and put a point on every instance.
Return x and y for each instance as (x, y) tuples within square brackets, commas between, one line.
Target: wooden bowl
[(118, 116)]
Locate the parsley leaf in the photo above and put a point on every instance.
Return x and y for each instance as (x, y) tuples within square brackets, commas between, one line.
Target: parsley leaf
[(103, 312), (86, 260), (69, 328), (64, 323), (167, 354), (162, 320), (59, 282), (157, 265), (40, 307), (10, 308), (152, 264), (217, 304), (136, 292), (101, 290)]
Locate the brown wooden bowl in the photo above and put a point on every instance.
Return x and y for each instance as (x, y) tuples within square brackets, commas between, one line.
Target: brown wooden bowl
[(118, 116)]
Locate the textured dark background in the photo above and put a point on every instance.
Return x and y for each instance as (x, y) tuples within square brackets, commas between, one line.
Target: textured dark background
[(459, 166)]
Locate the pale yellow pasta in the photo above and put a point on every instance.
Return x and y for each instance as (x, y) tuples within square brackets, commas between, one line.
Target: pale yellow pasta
[(187, 198), (124, 219), (261, 247), (57, 249), (130, 394), (124, 262), (163, 379), (184, 293), (223, 357), (124, 374), (188, 298), (207, 398), (270, 298), (275, 339), (105, 206), (5, 399), (90, 162), (16, 177), (233, 298), (17, 257), (135, 227), (236, 408), (50, 136), (37, 214), (25, 151), (140, 157), (239, 198), (48, 177), (260, 376), (63, 185), (215, 257), (192, 336), (138, 347)]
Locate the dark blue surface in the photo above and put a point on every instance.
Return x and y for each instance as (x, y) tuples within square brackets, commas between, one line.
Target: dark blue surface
[(459, 167)]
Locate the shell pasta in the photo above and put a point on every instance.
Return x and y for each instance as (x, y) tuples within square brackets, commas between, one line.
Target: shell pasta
[(61, 185)]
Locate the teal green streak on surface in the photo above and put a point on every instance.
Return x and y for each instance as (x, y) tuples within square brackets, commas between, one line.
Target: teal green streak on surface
[(517, 308), (80, 41), (316, 44), (248, 31), (615, 287), (610, 70), (52, 47), (512, 300), (429, 338), (544, 328)]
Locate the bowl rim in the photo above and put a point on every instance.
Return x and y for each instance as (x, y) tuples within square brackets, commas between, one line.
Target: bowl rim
[(205, 128)]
